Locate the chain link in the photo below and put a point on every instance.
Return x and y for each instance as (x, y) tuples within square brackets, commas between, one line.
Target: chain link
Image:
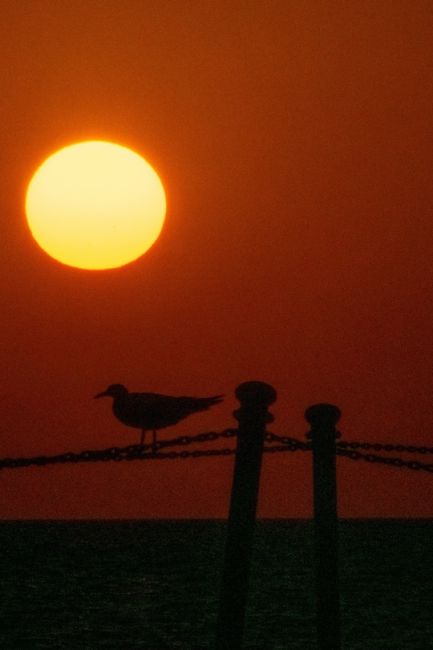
[(131, 452), (377, 446), (153, 452), (183, 455), (293, 443), (386, 460), (200, 437), (284, 444), (134, 452)]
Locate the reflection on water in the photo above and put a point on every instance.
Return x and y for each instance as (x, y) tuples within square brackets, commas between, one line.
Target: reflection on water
[(153, 585)]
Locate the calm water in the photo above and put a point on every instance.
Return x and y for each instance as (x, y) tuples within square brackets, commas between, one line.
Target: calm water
[(154, 585)]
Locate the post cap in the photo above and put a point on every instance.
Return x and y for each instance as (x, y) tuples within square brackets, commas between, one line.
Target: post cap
[(256, 391), (322, 415)]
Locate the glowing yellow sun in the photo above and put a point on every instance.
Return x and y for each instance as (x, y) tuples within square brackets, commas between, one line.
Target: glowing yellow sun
[(95, 205)]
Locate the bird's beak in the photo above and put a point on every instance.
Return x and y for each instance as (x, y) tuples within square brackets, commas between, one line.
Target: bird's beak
[(101, 394)]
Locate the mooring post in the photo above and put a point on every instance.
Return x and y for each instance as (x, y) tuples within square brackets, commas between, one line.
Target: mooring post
[(323, 419), (253, 415)]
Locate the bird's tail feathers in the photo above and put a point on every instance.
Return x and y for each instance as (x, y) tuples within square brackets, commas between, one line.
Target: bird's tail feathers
[(210, 401)]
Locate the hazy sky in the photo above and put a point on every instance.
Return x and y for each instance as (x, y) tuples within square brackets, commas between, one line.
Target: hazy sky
[(294, 140)]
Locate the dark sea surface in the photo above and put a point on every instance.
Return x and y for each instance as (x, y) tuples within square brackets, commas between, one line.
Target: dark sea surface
[(154, 585)]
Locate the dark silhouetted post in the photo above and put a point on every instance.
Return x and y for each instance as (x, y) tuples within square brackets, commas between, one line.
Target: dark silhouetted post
[(323, 419), (253, 415)]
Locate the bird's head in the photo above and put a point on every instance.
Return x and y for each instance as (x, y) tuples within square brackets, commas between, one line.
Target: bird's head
[(114, 390)]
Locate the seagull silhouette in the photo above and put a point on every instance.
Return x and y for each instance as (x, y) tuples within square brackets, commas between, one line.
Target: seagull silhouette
[(151, 411)]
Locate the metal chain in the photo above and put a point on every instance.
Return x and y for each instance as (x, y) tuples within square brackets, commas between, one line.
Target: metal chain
[(88, 455), (131, 452), (197, 453), (345, 444), (347, 448), (386, 460), (210, 452), (154, 452), (377, 446), (200, 437), (293, 443)]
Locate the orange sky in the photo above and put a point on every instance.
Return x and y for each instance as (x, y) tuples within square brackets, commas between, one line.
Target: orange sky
[(294, 140)]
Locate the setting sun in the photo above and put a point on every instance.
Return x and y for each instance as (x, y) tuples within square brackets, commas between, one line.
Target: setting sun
[(95, 205)]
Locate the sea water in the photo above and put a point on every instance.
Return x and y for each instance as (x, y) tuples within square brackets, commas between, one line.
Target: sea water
[(153, 585)]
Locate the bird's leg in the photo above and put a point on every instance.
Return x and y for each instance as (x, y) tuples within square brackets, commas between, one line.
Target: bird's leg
[(154, 442), (143, 433)]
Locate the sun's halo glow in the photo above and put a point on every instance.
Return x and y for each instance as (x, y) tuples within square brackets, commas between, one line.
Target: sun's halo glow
[(95, 205)]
